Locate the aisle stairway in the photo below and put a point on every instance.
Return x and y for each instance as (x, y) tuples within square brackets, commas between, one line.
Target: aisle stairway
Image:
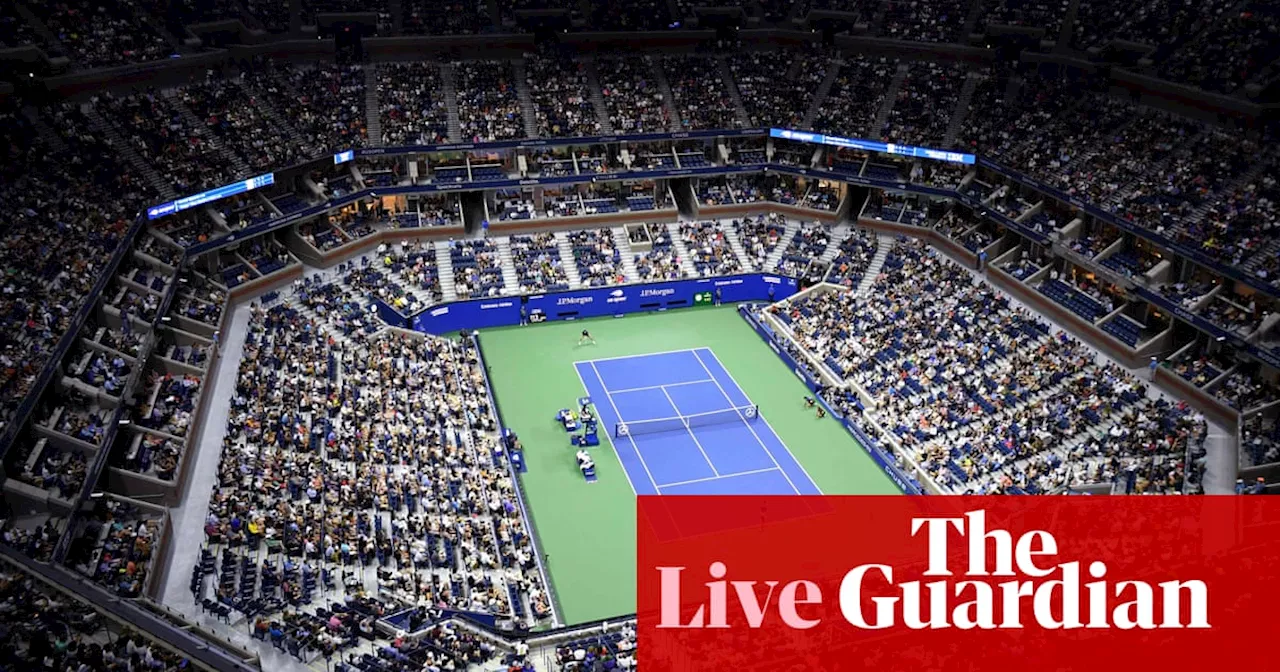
[(372, 114), (449, 89), (686, 261), (126, 151), (660, 77), (838, 234), (961, 111), (771, 262), (597, 96), (623, 242), (731, 87), (444, 262), (884, 243), (510, 278), (240, 168), (735, 243), (566, 258), (820, 96), (890, 97), (519, 71)]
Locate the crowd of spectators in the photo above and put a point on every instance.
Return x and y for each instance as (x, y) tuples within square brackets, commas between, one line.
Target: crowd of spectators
[(1165, 25), (1046, 14), (453, 17), (561, 98), (924, 20), (44, 630), (777, 87), (1002, 115), (661, 261), (1243, 389), (488, 106), (476, 268), (709, 248), (14, 31), (632, 98), (983, 394), (116, 544), (925, 101), (412, 105), (855, 97), (162, 137), (701, 94), (597, 257), (1231, 52), (538, 264), (374, 459), (853, 256), (806, 247), (760, 236), (66, 212), (235, 116), (325, 103), (99, 35)]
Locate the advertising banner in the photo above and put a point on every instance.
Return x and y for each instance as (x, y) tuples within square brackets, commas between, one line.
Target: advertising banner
[(603, 302), (954, 583)]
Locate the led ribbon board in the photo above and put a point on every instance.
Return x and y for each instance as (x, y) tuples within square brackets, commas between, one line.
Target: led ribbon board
[(872, 146), (195, 200)]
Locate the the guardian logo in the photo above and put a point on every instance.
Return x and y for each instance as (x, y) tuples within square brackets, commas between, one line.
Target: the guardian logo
[(657, 293), (500, 304), (1043, 593), (440, 311), (574, 301), (616, 296)]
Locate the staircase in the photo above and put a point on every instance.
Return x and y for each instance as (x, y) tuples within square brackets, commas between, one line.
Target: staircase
[(372, 111), (961, 112), (1152, 169), (1263, 163), (597, 96), (1271, 251), (623, 242), (771, 261), (735, 244), (566, 259), (668, 98), (48, 39), (275, 117), (121, 145), (444, 262), (971, 19), (731, 87), (449, 89), (530, 114), (890, 97), (510, 278), (52, 139), (884, 243), (1063, 38), (820, 96), (240, 168), (838, 234), (686, 260)]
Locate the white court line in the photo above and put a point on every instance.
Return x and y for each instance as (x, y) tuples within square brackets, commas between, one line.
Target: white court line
[(766, 420), (660, 387), (586, 390), (751, 429), (691, 433), (643, 354), (722, 477), (630, 438)]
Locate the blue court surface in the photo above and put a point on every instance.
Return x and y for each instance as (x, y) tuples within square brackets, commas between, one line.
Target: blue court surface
[(682, 426)]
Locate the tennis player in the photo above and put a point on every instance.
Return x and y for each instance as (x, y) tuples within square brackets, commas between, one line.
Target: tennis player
[(586, 338)]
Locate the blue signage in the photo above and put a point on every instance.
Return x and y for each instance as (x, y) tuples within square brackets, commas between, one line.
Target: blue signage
[(188, 202), (343, 157), (599, 302), (872, 146)]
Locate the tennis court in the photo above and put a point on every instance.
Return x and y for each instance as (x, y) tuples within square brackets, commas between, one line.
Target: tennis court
[(681, 425)]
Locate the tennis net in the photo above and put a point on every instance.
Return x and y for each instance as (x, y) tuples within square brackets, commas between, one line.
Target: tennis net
[(683, 422)]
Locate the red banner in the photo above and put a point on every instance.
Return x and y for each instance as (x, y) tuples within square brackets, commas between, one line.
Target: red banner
[(956, 583)]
